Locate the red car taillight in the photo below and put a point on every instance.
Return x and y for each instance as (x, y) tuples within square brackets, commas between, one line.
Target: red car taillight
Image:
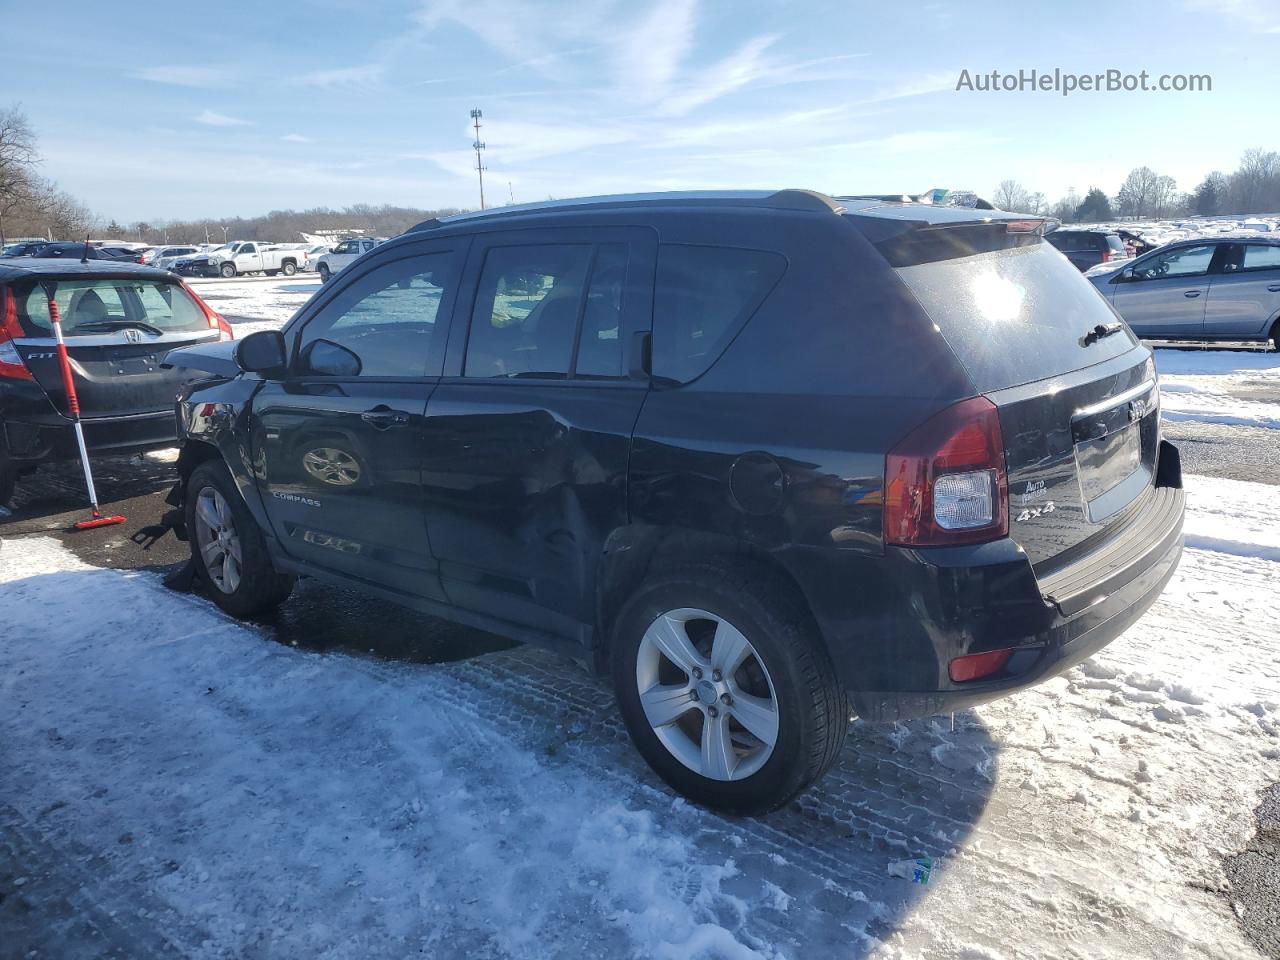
[(11, 365), (945, 482), (216, 320), (978, 665), (1106, 255)]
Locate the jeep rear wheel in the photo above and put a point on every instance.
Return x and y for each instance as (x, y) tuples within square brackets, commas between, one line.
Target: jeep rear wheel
[(228, 548), (726, 689)]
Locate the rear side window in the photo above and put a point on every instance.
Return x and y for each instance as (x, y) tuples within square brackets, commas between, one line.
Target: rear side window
[(1115, 244), (1261, 256), (525, 317), (703, 297), (1067, 242), (1015, 316), (101, 305)]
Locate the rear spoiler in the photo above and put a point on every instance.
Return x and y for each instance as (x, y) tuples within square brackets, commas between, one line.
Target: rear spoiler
[(907, 235)]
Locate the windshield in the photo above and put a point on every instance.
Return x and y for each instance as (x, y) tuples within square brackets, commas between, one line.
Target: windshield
[(101, 305), (1015, 316)]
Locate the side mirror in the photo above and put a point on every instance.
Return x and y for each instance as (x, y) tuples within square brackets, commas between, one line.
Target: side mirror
[(1124, 276), (329, 359), (263, 353)]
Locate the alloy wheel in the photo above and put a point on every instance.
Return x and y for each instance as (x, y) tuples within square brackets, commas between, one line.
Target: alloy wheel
[(217, 540), (332, 466), (707, 694)]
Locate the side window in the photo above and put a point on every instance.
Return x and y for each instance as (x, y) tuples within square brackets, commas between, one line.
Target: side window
[(600, 346), (526, 311), (1182, 262), (386, 320), (1261, 256), (703, 297)]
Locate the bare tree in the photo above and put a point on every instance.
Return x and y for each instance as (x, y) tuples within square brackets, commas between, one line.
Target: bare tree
[(1011, 195), (1137, 192), (18, 157)]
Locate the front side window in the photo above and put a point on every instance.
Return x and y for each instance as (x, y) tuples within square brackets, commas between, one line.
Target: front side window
[(703, 297), (386, 320), (348, 247), (1182, 262), (526, 311)]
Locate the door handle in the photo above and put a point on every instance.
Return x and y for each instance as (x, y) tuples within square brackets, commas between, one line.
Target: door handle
[(382, 417), (1191, 294)]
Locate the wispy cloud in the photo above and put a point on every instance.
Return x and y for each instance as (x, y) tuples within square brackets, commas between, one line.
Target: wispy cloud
[(648, 58), (296, 138), (183, 76), (914, 87), (366, 75), (211, 119)]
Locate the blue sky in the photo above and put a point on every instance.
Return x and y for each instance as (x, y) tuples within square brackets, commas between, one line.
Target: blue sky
[(208, 110)]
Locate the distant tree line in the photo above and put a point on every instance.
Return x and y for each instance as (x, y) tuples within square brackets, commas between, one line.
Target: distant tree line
[(282, 226), (1253, 188)]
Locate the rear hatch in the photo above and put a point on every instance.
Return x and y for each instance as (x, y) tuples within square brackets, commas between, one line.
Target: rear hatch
[(118, 330), (1076, 392)]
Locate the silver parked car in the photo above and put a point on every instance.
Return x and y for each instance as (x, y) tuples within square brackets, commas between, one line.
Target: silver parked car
[(1226, 288)]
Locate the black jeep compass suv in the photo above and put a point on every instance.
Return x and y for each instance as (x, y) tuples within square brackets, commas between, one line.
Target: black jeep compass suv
[(767, 458)]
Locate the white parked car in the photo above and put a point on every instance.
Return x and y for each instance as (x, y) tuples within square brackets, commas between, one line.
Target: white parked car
[(343, 255), (243, 256)]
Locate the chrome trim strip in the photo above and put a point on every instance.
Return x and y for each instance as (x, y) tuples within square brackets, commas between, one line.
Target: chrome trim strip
[(1112, 402)]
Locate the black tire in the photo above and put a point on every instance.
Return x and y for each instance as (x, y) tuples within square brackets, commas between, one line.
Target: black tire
[(323, 270), (289, 268), (1275, 336), (260, 587), (812, 708), (228, 270), (8, 479)]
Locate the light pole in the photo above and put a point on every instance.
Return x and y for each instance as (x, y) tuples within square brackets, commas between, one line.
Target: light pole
[(479, 145), (224, 234)]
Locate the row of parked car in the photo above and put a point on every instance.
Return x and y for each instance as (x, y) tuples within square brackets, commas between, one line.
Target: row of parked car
[(208, 260)]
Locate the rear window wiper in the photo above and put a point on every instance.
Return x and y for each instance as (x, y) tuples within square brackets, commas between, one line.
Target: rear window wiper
[(1100, 331), (119, 325)]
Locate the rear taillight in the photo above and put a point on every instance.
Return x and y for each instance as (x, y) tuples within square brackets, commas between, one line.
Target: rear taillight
[(945, 482), (1106, 255), (216, 320), (11, 365), (141, 260)]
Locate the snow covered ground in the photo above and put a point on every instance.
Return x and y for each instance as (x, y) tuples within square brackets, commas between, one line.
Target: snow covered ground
[(200, 789), (173, 783)]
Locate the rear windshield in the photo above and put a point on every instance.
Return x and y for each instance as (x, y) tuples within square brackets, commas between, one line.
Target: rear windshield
[(1015, 316), (100, 305)]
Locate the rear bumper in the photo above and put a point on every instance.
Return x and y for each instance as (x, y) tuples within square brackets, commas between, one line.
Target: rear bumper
[(928, 607), (35, 440)]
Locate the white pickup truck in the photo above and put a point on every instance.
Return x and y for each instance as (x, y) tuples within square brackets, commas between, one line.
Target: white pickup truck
[(244, 256), (344, 254)]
